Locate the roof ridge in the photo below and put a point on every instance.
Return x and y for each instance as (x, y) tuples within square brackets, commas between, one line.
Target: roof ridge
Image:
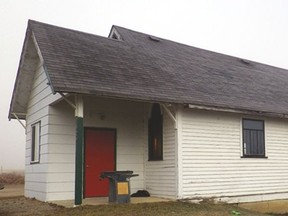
[(34, 22)]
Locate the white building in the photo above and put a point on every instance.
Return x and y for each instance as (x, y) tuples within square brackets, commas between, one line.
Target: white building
[(192, 123)]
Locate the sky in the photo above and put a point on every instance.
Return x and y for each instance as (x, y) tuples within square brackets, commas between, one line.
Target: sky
[(251, 29)]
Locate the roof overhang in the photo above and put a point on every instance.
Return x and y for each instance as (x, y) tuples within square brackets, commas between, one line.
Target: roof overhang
[(235, 110), (30, 60)]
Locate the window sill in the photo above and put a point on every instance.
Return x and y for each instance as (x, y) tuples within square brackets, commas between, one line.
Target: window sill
[(254, 156), (34, 162), (155, 160)]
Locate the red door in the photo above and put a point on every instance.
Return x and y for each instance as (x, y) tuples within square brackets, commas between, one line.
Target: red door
[(99, 157)]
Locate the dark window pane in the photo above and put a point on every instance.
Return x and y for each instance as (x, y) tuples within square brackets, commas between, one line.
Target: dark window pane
[(253, 138), (155, 133), (253, 124), (33, 143), (260, 143), (247, 138), (253, 142)]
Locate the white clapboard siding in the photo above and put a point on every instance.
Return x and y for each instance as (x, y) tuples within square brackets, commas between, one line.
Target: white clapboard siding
[(212, 163), (160, 176), (35, 184), (61, 152), (35, 190), (38, 111), (128, 119), (62, 195)]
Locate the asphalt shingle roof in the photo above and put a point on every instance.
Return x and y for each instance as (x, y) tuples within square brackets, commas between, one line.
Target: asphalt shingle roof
[(138, 67)]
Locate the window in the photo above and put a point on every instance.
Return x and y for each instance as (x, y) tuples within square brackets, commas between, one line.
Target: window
[(155, 134), (253, 138), (35, 142)]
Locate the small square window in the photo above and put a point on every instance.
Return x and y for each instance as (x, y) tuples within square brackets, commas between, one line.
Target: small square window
[(253, 138), (35, 142)]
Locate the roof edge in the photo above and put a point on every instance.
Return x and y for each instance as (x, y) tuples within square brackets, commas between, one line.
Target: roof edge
[(25, 44), (191, 105), (237, 110), (29, 39)]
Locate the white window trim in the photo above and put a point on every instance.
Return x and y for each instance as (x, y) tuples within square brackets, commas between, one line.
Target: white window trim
[(35, 153), (242, 156)]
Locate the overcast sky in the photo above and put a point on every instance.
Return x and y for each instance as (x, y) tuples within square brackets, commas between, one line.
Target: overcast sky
[(250, 29)]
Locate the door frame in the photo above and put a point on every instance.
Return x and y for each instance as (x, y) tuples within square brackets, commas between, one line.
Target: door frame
[(84, 150)]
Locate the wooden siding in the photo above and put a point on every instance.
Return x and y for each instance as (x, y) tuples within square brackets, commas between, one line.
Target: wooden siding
[(212, 163), (161, 176), (38, 110), (128, 120), (61, 152)]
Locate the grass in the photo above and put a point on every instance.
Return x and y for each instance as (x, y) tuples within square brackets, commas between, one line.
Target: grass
[(12, 178)]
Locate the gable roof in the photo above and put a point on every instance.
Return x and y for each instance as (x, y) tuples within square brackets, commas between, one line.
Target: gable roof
[(144, 67)]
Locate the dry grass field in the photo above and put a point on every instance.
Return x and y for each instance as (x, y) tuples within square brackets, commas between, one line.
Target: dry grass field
[(12, 178)]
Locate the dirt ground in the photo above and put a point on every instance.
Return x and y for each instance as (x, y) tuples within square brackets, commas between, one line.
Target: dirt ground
[(24, 207), (12, 203), (12, 190)]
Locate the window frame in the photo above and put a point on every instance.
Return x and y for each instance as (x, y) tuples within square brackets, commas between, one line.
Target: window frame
[(245, 155), (152, 156), (35, 142)]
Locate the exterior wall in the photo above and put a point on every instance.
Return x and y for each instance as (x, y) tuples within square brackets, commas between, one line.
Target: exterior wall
[(212, 163), (128, 119), (35, 174), (60, 180), (208, 150), (53, 178), (161, 176)]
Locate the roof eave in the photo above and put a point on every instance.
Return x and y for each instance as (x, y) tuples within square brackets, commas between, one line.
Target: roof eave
[(237, 110), (186, 104), (36, 59), (24, 47)]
